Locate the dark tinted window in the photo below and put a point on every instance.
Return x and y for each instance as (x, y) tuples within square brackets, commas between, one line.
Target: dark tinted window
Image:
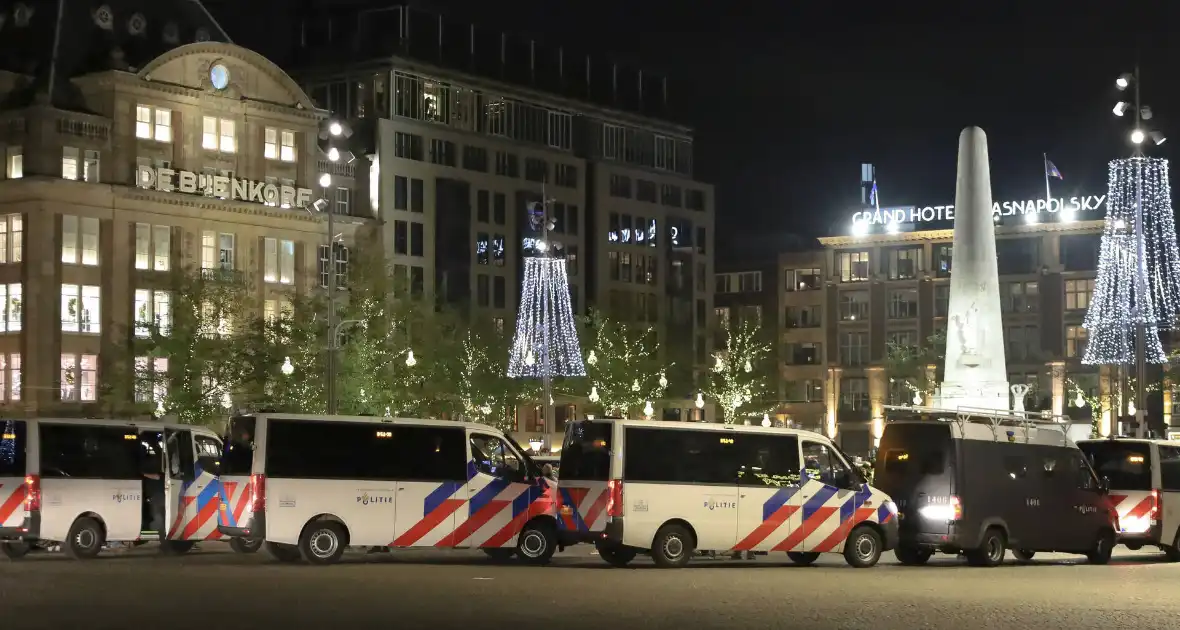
[(239, 447), (180, 455), (492, 456), (1169, 467), (914, 449), (681, 456), (821, 463), (767, 460), (586, 452), (94, 452), (1126, 464), (298, 449), (12, 448)]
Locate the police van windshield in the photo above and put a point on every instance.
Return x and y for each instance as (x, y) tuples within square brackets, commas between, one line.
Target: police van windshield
[(909, 450), (12, 448), (239, 447), (1126, 464), (586, 453)]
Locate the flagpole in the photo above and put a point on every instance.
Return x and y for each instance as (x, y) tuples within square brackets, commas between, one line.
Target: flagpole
[(1045, 167)]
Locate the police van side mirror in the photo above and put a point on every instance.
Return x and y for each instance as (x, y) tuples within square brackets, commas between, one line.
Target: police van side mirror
[(1104, 485)]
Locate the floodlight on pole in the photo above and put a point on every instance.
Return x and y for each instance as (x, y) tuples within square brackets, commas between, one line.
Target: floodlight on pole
[(325, 180), (287, 369), (333, 154), (335, 128), (1120, 108), (1137, 136), (1123, 81)]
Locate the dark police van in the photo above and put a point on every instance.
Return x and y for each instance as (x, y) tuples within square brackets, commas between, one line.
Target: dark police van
[(981, 483)]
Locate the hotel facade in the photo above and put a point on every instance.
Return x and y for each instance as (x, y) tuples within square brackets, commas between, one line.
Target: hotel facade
[(835, 310)]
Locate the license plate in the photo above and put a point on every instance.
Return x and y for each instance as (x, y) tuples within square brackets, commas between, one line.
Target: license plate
[(566, 510)]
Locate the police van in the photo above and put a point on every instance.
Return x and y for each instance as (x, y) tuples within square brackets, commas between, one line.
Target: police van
[(982, 482), (670, 489), (80, 484), (311, 486), (1144, 478)]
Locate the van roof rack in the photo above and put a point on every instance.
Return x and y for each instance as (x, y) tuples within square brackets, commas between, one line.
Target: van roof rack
[(993, 418)]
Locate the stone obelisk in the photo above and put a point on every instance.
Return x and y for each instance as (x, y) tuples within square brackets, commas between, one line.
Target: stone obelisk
[(976, 374)]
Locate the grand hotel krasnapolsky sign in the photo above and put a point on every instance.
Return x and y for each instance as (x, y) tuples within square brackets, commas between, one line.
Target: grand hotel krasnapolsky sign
[(1070, 206), (233, 188)]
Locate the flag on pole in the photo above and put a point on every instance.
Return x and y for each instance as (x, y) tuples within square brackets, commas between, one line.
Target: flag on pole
[(873, 196), (1051, 170)]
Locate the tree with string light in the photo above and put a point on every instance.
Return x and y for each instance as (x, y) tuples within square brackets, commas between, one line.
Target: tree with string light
[(742, 377), (909, 364), (481, 391), (624, 372)]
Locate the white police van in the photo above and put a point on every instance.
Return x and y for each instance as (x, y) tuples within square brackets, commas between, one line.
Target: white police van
[(310, 486), (80, 484), (1144, 480), (672, 488)]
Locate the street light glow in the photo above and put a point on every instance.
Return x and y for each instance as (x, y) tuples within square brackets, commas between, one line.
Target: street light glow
[(287, 368), (700, 403), (335, 129), (410, 360), (1137, 136), (333, 154), (325, 180)]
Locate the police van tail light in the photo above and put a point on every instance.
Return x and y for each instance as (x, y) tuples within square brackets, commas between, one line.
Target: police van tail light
[(614, 504), (956, 509), (258, 492), (1153, 514), (33, 493)]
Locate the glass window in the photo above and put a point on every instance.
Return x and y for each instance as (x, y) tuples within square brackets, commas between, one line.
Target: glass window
[(69, 162), (854, 393), (208, 450), (90, 452), (942, 300), (1169, 468), (1078, 294), (13, 439), (586, 451), (492, 456), (1126, 464), (80, 308), (11, 238), (821, 463), (163, 132), (345, 450), (1075, 341), (767, 460), (903, 263), (90, 163), (681, 456), (143, 122), (854, 266), (854, 305), (15, 163), (239, 446), (903, 304), (79, 377), (942, 260)]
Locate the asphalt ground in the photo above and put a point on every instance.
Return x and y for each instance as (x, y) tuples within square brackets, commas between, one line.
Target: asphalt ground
[(217, 589)]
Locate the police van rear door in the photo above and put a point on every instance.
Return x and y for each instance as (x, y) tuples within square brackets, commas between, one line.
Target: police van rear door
[(915, 467)]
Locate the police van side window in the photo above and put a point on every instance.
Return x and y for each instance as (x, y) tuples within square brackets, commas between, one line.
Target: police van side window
[(12, 448), (1170, 468), (821, 464), (298, 449), (680, 456), (208, 453), (90, 452), (767, 460), (493, 457), (1085, 474)]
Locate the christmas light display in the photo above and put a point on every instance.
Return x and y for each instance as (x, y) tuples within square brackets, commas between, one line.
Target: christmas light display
[(8, 443), (737, 387), (624, 367), (1129, 265), (546, 340)]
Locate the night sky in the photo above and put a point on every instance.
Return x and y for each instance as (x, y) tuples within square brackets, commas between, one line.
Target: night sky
[(788, 98)]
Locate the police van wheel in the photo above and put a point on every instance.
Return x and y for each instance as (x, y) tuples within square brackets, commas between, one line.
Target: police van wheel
[(912, 556), (176, 547), (1023, 555), (991, 553), (245, 545), (281, 552), (84, 540), (863, 547), (536, 543), (672, 547), (615, 555), (15, 550), (1103, 546), (322, 542), (803, 558)]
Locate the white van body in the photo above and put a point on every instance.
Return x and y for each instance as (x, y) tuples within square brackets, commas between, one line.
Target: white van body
[(309, 486), (1144, 477), (60, 477), (626, 484)]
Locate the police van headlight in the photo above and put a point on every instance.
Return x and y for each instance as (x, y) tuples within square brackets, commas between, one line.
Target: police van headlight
[(937, 512)]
